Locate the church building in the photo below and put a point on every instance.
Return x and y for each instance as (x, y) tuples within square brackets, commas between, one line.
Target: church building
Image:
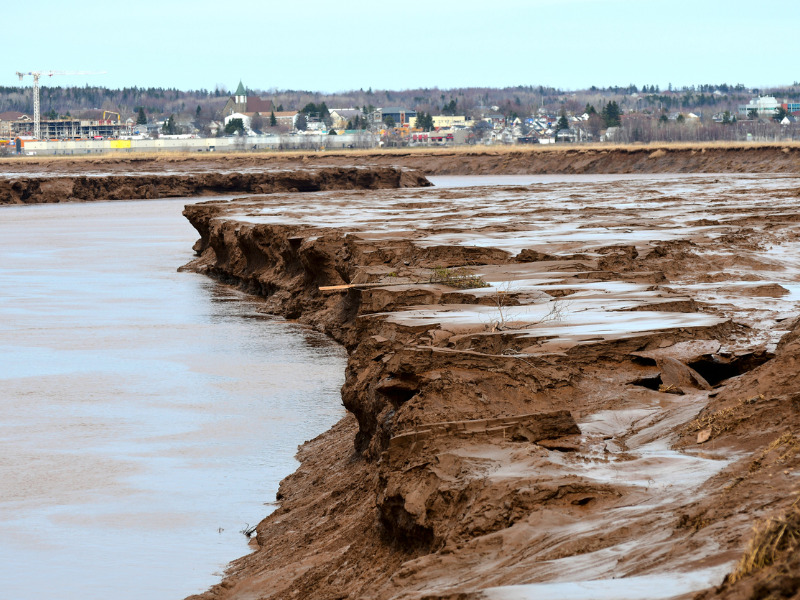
[(240, 102)]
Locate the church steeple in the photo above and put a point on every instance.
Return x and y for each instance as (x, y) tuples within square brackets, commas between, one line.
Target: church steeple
[(240, 94)]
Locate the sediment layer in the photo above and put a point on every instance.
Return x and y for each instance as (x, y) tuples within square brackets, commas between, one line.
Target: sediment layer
[(614, 404), (83, 188), (476, 160)]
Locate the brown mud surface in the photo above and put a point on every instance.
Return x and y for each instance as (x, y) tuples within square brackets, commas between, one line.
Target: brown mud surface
[(473, 160), (555, 390), (26, 189)]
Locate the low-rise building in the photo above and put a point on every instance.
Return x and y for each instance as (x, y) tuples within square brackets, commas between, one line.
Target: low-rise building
[(763, 106), (792, 108), (400, 115), (286, 118), (6, 121)]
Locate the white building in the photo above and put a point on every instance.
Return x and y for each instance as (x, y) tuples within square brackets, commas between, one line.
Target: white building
[(763, 105)]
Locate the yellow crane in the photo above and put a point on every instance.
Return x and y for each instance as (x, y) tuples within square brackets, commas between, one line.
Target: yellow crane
[(37, 127), (111, 112)]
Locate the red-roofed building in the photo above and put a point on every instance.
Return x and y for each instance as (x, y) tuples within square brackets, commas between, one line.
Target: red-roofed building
[(240, 102)]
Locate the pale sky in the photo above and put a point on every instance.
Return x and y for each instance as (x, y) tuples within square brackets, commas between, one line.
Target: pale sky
[(335, 46)]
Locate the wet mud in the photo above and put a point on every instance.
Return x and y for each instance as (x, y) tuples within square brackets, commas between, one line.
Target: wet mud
[(572, 389), (474, 160), (38, 188)]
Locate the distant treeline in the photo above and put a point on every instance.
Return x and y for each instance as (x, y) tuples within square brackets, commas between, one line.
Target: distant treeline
[(510, 101)]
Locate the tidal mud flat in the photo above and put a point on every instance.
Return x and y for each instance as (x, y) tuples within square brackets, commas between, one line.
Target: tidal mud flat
[(471, 160), (108, 184), (573, 388)]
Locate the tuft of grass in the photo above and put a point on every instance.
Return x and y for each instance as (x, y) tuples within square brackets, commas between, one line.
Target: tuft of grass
[(724, 419), (459, 278), (771, 539), (787, 443)]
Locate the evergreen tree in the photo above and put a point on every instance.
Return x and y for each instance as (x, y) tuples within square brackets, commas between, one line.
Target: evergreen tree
[(611, 114), (234, 126), (169, 126), (563, 123), (141, 119), (451, 107), (272, 120), (325, 114), (425, 121)]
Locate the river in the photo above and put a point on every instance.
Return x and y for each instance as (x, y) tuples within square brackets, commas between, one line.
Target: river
[(147, 415)]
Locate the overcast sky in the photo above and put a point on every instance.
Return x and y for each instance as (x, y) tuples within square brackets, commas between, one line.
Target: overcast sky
[(335, 46)]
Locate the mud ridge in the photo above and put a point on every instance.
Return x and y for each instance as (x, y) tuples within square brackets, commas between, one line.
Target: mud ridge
[(490, 440), (83, 188), (561, 159)]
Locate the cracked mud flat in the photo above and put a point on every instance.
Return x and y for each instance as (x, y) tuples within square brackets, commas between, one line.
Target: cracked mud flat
[(609, 416)]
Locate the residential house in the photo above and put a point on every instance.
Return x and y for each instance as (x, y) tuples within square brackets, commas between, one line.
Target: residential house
[(341, 116), (496, 119)]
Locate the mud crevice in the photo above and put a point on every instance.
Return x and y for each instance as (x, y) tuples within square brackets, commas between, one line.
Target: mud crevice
[(717, 369)]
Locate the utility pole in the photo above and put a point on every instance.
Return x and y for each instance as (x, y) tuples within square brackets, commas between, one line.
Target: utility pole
[(37, 122)]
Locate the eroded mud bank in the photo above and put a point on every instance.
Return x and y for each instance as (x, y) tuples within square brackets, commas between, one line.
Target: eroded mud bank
[(615, 403), (83, 188), (478, 160)]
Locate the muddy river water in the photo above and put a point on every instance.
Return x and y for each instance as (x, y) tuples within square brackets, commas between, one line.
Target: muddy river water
[(147, 415)]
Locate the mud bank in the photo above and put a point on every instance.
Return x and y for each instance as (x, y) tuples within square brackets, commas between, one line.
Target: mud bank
[(83, 188), (545, 383), (477, 160)]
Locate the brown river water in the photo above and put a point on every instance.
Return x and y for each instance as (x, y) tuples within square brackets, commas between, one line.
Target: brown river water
[(147, 415)]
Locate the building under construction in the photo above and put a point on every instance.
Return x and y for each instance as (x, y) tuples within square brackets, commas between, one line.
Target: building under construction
[(65, 129)]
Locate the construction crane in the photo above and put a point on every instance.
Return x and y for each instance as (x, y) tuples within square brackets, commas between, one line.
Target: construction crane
[(37, 127), (111, 112)]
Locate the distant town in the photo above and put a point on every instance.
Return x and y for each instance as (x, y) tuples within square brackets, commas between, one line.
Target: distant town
[(61, 120)]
